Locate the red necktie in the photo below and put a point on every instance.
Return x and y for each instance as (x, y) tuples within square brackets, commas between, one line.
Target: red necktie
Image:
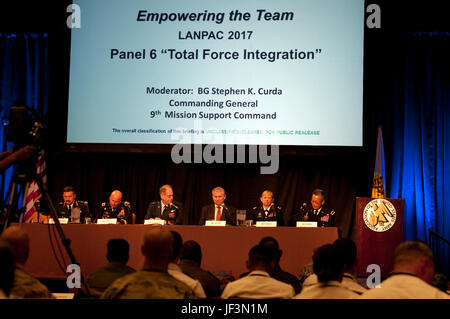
[(218, 215)]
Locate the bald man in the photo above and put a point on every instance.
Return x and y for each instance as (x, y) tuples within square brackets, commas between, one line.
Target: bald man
[(25, 285), (115, 208), (166, 209), (153, 281), (412, 275)]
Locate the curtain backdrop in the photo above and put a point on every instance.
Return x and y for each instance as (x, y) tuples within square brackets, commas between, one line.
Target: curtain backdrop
[(412, 94), (421, 162), (24, 80), (406, 91)]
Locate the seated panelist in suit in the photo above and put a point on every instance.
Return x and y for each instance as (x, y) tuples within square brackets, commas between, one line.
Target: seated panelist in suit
[(115, 208), (70, 203), (267, 211), (166, 208), (218, 210)]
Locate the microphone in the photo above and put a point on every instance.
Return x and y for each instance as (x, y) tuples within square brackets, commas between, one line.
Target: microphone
[(303, 207), (171, 204)]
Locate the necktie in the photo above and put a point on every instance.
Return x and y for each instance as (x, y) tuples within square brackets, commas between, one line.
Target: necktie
[(164, 210), (69, 210), (266, 212), (218, 214)]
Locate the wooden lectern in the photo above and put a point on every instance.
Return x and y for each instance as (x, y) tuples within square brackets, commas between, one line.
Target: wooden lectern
[(379, 230)]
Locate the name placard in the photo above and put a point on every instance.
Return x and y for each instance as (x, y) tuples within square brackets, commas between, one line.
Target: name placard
[(63, 295), (154, 221), (61, 221), (106, 221), (306, 224), (215, 223), (266, 224)]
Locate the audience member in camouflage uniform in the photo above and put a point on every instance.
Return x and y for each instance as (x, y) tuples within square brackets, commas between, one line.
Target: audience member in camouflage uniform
[(25, 285), (117, 255), (153, 281)]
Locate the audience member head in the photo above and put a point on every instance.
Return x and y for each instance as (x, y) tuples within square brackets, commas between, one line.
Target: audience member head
[(261, 258), (166, 194), (19, 242), (115, 198), (177, 246), (192, 251), (157, 247), (7, 266), (118, 250), (317, 198), (347, 249), (272, 243), (218, 196), (69, 195), (328, 264), (416, 258)]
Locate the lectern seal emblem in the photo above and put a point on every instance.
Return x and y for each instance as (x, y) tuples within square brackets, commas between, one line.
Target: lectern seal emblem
[(379, 215)]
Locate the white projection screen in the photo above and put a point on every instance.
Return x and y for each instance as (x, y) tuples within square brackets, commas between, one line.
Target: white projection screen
[(217, 72)]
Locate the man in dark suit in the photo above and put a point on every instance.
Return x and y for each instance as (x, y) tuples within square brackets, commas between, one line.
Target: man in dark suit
[(71, 208), (218, 210), (316, 212), (267, 211), (166, 209)]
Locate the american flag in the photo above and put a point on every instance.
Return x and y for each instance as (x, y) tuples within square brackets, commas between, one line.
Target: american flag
[(378, 186), (32, 192)]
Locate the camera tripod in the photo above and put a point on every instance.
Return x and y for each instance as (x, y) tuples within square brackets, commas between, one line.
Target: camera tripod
[(19, 185)]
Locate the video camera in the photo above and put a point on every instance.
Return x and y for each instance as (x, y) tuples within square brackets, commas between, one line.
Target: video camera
[(25, 127)]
